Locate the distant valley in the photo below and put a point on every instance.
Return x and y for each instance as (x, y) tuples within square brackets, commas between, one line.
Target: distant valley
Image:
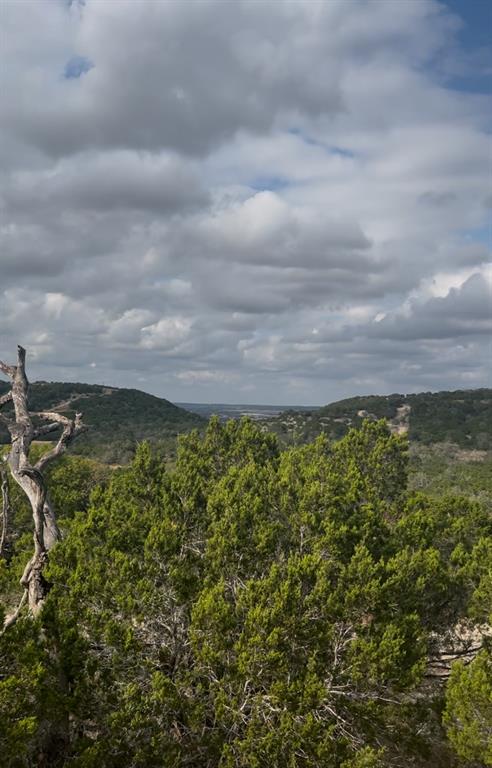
[(236, 411)]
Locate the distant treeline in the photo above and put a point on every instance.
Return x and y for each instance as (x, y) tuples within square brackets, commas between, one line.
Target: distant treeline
[(463, 417)]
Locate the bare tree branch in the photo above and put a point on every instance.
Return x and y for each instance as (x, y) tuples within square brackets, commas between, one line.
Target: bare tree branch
[(45, 430), (59, 418), (12, 618), (30, 478), (8, 370), (6, 398), (6, 514), (20, 387), (71, 430)]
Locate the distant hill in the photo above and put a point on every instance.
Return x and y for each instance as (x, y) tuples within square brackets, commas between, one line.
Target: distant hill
[(117, 418), (463, 417)]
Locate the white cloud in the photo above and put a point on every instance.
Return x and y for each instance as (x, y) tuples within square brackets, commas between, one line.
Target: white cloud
[(278, 198), (166, 333)]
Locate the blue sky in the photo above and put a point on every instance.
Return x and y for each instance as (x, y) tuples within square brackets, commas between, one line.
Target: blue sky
[(76, 67), (475, 36), (477, 22)]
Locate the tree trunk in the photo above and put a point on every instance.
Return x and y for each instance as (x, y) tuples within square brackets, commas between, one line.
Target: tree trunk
[(30, 477), (6, 517), (23, 430)]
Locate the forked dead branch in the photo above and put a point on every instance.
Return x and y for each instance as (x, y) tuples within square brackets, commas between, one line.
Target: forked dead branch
[(23, 426)]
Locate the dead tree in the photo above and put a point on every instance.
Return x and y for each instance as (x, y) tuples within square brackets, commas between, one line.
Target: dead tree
[(23, 428), (6, 513)]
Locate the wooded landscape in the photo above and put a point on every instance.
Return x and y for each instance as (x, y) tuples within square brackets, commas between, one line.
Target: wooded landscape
[(246, 437), (243, 606)]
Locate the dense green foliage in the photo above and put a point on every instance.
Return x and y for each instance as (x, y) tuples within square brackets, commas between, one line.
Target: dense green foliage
[(469, 709), (252, 608), (117, 418), (462, 417)]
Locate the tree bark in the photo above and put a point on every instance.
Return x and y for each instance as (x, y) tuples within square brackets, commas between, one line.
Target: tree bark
[(30, 477), (6, 516)]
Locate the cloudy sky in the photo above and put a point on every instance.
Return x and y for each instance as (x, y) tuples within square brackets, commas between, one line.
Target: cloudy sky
[(244, 201)]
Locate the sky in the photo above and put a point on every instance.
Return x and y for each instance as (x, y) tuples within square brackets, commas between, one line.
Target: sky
[(248, 202)]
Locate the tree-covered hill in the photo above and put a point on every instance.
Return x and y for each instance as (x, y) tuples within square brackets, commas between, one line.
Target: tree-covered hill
[(463, 417), (117, 418)]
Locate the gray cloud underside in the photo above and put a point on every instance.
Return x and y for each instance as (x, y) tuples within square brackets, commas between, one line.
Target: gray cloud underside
[(279, 201)]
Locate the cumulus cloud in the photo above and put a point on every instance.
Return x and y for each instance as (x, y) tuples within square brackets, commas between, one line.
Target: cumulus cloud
[(464, 311), (109, 182), (265, 230), (224, 201), (181, 75)]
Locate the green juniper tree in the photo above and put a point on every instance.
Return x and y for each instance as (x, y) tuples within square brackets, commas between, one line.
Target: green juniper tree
[(257, 609)]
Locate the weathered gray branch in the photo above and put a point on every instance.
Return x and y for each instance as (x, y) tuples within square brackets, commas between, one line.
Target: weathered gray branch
[(71, 429), (45, 430), (12, 618), (30, 477), (7, 398), (6, 515), (4, 399), (8, 370)]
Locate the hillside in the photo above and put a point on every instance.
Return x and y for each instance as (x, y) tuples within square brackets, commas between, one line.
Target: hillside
[(463, 417), (118, 418)]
